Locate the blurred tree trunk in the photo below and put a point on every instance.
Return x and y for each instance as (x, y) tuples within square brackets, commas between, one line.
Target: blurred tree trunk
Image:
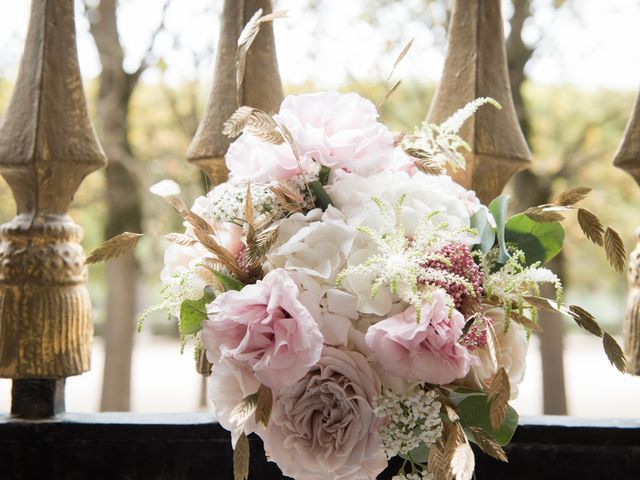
[(536, 190), (123, 201)]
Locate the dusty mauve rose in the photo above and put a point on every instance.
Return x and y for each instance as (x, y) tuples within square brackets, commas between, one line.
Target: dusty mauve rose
[(426, 351), (323, 426), (264, 326)]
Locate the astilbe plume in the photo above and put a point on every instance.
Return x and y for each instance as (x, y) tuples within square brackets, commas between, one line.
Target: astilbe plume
[(456, 259)]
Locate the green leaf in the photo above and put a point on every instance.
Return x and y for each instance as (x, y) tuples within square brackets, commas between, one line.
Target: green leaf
[(322, 197), (193, 313), (227, 282), (473, 409), (540, 242), (420, 454), (480, 222), (323, 176), (498, 209)]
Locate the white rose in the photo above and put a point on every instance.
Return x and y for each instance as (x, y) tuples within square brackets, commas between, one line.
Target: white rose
[(319, 248)]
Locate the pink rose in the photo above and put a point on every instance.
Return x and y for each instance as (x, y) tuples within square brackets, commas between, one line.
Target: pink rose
[(427, 351), (338, 130), (229, 384), (323, 426), (251, 158), (265, 327)]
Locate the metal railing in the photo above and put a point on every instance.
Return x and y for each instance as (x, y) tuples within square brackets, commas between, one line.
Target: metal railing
[(47, 147)]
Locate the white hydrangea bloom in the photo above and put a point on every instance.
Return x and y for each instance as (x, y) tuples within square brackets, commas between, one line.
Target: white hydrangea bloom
[(425, 194)]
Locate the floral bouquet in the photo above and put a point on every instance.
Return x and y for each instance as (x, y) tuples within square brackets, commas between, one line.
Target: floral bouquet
[(356, 303)]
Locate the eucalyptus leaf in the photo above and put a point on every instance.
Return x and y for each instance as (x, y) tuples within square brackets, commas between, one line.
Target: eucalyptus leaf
[(480, 222), (540, 242), (420, 454), (473, 409), (498, 208)]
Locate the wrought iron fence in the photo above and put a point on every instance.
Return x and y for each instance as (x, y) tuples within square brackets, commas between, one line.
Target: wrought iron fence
[(47, 147)]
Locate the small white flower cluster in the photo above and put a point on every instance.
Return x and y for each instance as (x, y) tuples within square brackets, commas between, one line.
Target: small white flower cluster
[(226, 202), (414, 476), (413, 419)]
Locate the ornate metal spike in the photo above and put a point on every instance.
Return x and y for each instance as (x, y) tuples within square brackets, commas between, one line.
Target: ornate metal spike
[(628, 159), (47, 146), (476, 66), (262, 86)]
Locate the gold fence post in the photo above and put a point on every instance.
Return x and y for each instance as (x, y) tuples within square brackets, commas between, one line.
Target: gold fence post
[(47, 147), (476, 66), (262, 88), (628, 159)]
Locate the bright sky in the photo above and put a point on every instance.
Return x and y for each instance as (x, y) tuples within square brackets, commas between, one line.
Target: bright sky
[(590, 43)]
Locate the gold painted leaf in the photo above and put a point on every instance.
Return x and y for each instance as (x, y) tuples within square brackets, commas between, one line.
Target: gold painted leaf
[(248, 216), (591, 226), (247, 36), (525, 322), (114, 247), (540, 215), (572, 196), (264, 127), (429, 167), (237, 122), (181, 239), (499, 393), (241, 458), (401, 55), (388, 93), (614, 352), (543, 303), (265, 404), (224, 256), (451, 413), (287, 196), (585, 320), (264, 241), (274, 16), (243, 411), (488, 445), (436, 461), (614, 247), (463, 462)]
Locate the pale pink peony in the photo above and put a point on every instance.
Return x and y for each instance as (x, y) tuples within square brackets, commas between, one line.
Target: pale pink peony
[(265, 327), (427, 351), (323, 426), (250, 158), (338, 130)]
